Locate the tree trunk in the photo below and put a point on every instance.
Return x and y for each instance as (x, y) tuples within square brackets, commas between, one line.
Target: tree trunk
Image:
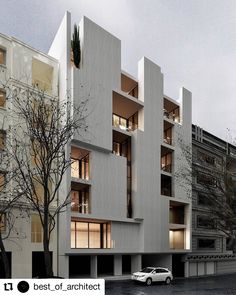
[(47, 257), (4, 258), (47, 260)]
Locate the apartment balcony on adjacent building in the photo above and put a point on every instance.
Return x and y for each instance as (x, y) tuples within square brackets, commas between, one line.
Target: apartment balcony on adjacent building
[(171, 111), (129, 85), (166, 160), (168, 133), (166, 185), (80, 164)]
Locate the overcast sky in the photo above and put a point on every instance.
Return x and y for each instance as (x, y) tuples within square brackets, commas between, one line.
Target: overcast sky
[(193, 41)]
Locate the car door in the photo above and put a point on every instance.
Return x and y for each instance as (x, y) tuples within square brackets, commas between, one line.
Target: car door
[(156, 275)]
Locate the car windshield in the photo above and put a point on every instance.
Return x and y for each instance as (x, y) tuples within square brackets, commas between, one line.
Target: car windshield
[(147, 269)]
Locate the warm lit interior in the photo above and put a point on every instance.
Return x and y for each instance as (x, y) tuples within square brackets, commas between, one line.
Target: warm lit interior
[(90, 234), (129, 85), (177, 239), (79, 163), (171, 110)]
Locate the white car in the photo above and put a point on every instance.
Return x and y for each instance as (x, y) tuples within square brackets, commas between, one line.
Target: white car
[(153, 274)]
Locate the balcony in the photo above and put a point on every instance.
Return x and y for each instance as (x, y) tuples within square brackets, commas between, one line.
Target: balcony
[(166, 186), (129, 124), (166, 159), (80, 163), (177, 239), (177, 213), (126, 108), (80, 199), (129, 85), (167, 133), (171, 111)]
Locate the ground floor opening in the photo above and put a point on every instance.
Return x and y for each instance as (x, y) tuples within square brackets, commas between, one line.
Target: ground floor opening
[(38, 264), (2, 270)]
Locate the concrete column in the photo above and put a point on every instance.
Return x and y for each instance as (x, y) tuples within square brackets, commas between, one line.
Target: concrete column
[(117, 265), (93, 267), (63, 266), (136, 262), (186, 269)]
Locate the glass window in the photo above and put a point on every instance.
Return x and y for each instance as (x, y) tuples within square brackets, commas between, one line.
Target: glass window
[(81, 235), (94, 235), (2, 98), (90, 235), (36, 229), (116, 120), (206, 244), (2, 56), (80, 168), (206, 179), (205, 222)]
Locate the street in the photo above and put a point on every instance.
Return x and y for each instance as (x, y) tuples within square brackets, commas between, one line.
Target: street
[(217, 285)]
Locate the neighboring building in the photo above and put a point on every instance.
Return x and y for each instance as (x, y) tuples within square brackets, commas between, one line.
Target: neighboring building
[(209, 248), (24, 67), (128, 209)]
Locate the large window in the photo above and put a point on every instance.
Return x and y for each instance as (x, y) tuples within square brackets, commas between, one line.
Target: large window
[(204, 221), (206, 179), (90, 235), (204, 200), (36, 229), (206, 158), (2, 98), (80, 201), (206, 244), (2, 56)]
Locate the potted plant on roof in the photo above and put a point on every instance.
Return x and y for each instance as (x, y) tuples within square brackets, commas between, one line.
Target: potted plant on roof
[(75, 47)]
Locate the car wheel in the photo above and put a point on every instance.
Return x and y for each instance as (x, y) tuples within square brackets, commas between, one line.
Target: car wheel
[(168, 281), (148, 281)]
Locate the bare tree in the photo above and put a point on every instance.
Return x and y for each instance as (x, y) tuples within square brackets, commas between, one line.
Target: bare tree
[(42, 130)]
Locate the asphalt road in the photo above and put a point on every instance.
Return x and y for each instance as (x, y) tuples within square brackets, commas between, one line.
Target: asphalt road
[(217, 285)]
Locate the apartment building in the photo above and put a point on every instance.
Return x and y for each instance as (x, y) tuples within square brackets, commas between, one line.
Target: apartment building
[(129, 208), (24, 67), (210, 253)]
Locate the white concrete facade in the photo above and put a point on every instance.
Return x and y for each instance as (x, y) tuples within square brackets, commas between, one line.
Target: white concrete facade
[(131, 207), (149, 232)]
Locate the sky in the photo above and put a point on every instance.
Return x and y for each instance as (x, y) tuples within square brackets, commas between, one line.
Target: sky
[(193, 41)]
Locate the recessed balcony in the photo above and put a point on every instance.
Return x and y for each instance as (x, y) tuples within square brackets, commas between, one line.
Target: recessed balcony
[(129, 85), (166, 159), (167, 133), (177, 239), (129, 124), (166, 186), (171, 110), (80, 163)]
